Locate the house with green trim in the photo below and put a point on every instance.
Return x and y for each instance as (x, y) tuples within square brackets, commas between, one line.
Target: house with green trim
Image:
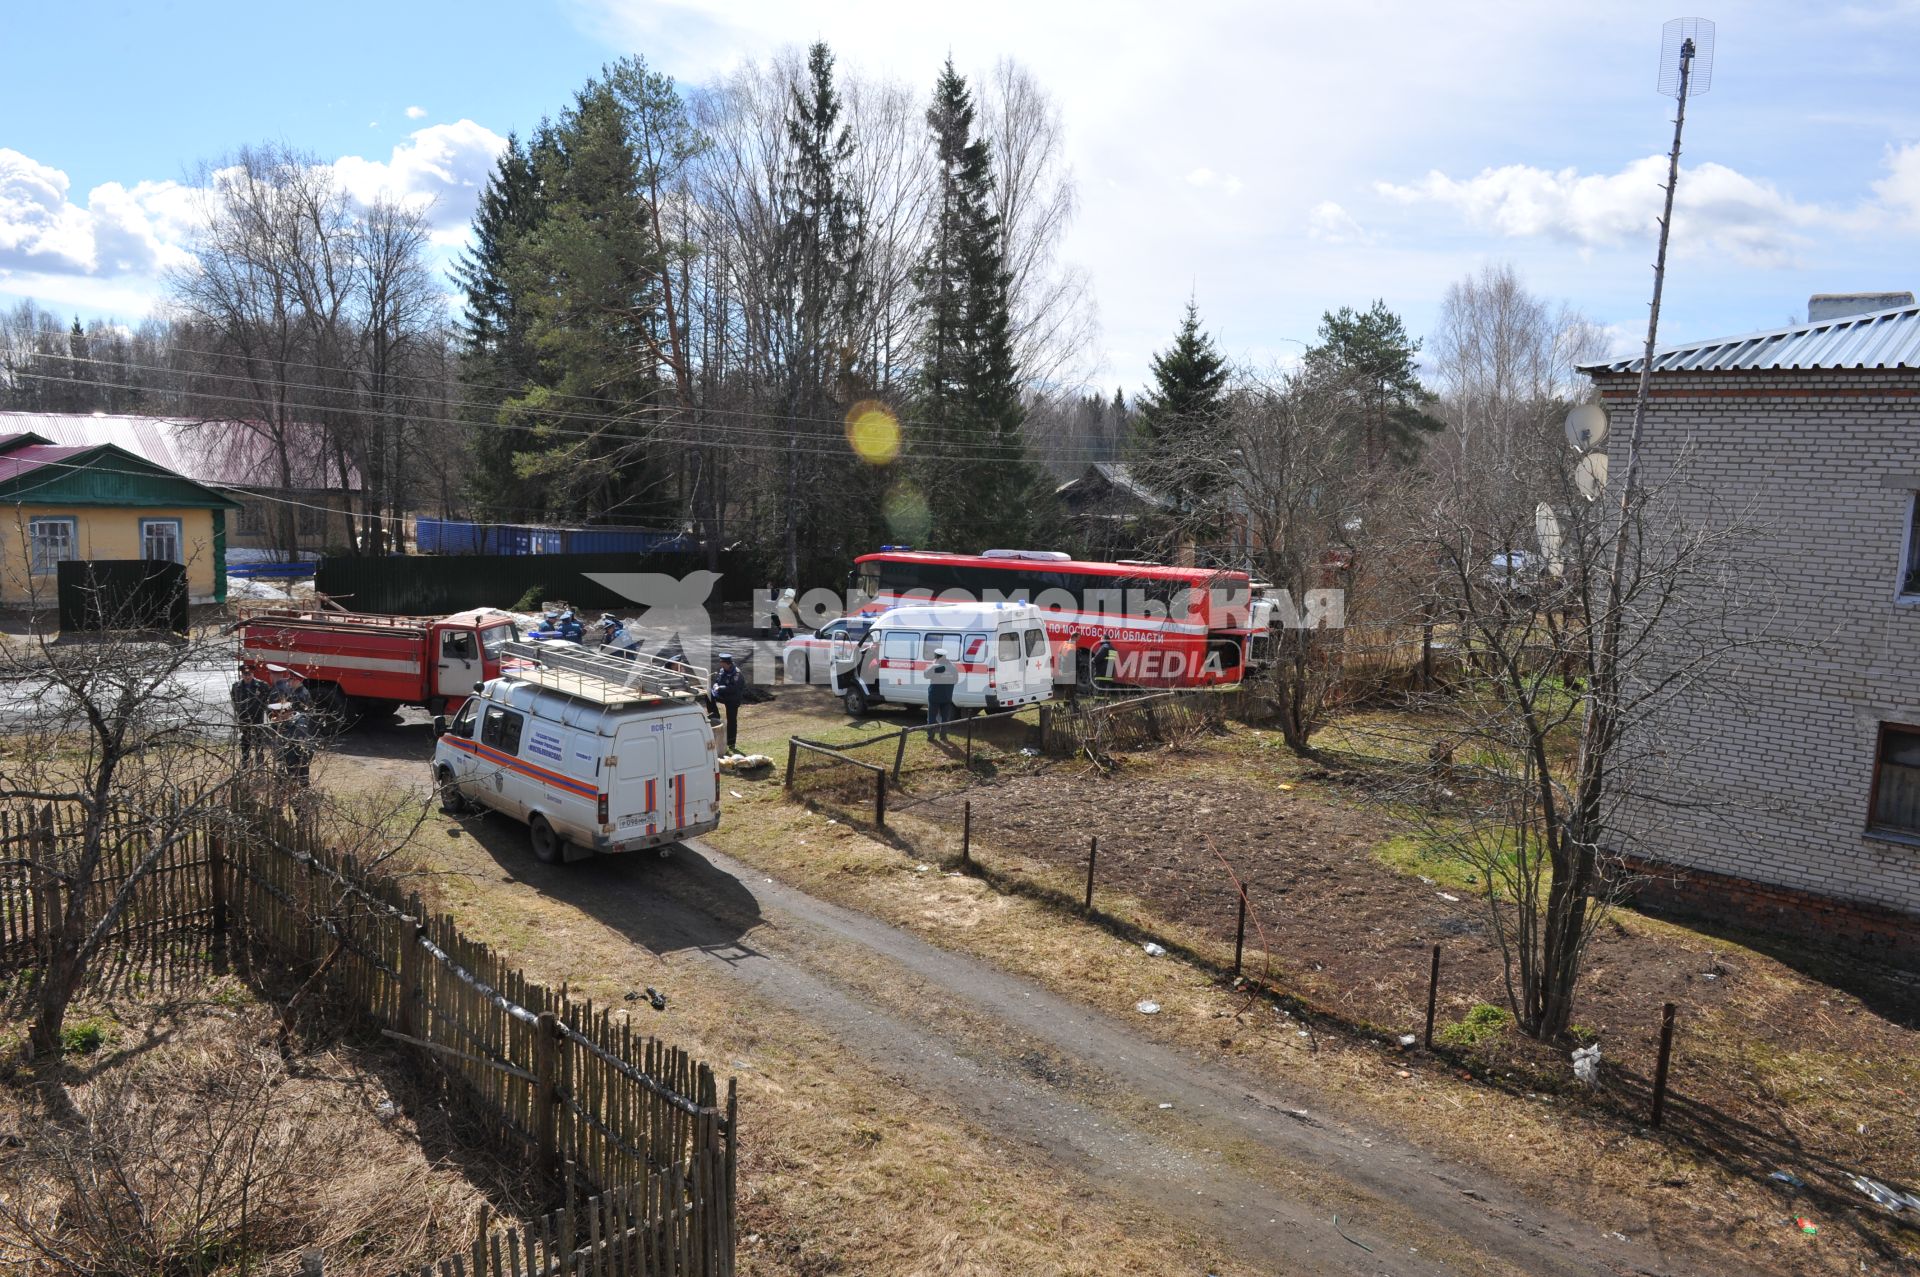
[(102, 502)]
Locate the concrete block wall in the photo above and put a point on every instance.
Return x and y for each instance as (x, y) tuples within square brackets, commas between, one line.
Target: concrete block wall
[(1771, 778)]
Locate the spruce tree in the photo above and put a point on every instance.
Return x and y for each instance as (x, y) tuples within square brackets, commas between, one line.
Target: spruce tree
[(972, 467), (1366, 359), (1175, 419), (496, 355), (821, 294)]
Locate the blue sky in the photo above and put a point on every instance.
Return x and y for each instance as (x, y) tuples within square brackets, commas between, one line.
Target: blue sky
[(1274, 160)]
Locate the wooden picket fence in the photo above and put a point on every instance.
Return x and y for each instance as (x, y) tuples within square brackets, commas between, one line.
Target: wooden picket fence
[(631, 1116)]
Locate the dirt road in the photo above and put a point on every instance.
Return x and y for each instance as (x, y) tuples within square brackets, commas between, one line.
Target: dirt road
[(1266, 1173)]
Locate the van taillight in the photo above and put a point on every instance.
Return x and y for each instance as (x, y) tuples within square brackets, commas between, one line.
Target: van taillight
[(603, 809)]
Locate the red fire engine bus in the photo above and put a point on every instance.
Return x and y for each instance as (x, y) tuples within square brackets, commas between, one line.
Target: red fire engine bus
[(1168, 626)]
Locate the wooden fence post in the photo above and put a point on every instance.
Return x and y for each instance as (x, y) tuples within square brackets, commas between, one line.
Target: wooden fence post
[(966, 834), (969, 743), (900, 753), (545, 1097), (1433, 993), (1240, 933), (1093, 855), (217, 884), (1660, 1066), (793, 754), (412, 1021), (1046, 726), (880, 797)]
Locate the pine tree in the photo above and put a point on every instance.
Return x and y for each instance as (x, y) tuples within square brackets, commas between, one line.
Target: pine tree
[(1367, 360), (1175, 419), (973, 469)]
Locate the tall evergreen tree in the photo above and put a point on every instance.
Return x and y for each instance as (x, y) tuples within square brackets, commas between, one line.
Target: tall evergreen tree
[(821, 292), (496, 353), (1368, 360), (1176, 418), (972, 469)]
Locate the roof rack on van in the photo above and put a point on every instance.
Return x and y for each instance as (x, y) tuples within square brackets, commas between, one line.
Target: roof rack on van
[(600, 677)]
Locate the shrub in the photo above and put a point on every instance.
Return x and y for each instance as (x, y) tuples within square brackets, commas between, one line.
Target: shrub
[(1485, 1021), (83, 1037), (532, 599)]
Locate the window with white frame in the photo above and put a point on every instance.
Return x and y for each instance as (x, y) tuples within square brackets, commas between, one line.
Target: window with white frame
[(160, 539), (1910, 570), (53, 541)]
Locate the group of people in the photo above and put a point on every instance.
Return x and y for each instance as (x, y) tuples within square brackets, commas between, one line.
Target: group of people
[(275, 720)]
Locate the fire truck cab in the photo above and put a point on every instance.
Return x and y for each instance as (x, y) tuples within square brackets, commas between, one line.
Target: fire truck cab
[(360, 662)]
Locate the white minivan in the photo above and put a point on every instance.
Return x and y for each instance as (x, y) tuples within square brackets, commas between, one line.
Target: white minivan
[(593, 753), (1000, 651)]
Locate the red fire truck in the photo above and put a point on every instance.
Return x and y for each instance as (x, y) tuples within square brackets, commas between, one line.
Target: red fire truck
[(359, 663)]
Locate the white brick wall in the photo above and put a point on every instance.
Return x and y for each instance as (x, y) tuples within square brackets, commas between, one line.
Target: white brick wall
[(1785, 766)]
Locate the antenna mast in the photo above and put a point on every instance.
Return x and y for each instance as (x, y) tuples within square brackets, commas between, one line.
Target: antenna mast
[(1686, 68)]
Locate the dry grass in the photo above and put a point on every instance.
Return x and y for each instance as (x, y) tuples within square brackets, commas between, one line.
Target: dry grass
[(191, 1148), (843, 1170), (1618, 1176)]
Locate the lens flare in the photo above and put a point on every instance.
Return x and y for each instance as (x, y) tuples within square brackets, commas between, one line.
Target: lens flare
[(906, 513), (873, 432)]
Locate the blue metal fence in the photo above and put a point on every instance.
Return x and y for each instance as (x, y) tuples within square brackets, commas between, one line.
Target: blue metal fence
[(459, 536)]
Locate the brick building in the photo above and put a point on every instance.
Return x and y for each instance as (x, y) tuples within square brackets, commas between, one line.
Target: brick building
[(1801, 807)]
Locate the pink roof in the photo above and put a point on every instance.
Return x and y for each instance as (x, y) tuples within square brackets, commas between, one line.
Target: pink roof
[(31, 457), (222, 454)]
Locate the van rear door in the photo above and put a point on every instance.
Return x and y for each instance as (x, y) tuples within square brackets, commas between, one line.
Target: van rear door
[(690, 763), (638, 786)]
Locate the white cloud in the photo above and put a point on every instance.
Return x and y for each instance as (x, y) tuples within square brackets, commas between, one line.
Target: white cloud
[(1899, 191), (1716, 207), (112, 253), (121, 231), (441, 168), (1206, 178), (1331, 224), (416, 113)]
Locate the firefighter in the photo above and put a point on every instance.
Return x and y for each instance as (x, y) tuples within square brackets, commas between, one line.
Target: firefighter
[(941, 677), (1100, 664), (250, 696), (729, 689)]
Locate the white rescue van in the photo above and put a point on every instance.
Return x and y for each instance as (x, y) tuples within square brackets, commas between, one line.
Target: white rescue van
[(999, 649), (594, 753)]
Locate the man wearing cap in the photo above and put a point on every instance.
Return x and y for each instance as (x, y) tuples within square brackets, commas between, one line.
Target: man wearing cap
[(250, 696), (941, 676), (729, 689), (290, 686)]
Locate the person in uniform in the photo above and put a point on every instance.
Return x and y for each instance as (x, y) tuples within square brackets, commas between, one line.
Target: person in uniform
[(1101, 664), (250, 696), (290, 686), (941, 677), (729, 689)]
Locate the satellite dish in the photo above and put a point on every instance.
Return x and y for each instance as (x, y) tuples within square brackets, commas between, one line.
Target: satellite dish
[(1590, 476), (1587, 426), (1546, 530)]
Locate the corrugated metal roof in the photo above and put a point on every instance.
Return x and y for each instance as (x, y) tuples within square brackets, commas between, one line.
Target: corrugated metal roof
[(229, 454), (1879, 339)]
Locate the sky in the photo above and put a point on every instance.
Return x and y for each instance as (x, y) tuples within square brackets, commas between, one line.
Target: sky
[(1272, 161)]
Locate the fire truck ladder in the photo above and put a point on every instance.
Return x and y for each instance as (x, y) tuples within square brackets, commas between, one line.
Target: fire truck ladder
[(634, 673)]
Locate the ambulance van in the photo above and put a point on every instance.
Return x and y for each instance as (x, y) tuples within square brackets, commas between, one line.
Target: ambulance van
[(1000, 651)]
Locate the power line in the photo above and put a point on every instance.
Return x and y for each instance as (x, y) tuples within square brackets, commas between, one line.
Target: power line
[(737, 437), (456, 402)]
